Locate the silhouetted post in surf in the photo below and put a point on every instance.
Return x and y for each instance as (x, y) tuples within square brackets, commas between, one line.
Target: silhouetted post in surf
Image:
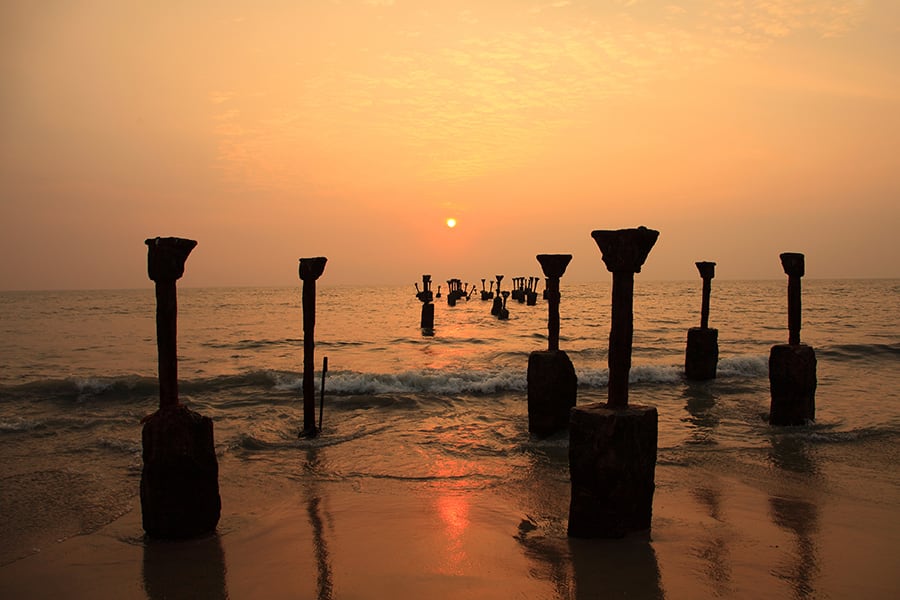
[(426, 296), (531, 295), (702, 354), (612, 446), (552, 383), (504, 312), (310, 270), (180, 477), (497, 304), (792, 366)]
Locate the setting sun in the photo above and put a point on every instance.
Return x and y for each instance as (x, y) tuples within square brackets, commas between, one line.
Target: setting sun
[(451, 222)]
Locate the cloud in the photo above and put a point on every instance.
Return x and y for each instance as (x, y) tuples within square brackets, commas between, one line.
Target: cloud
[(473, 96)]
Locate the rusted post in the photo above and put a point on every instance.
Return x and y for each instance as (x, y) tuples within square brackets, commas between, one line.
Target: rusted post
[(180, 477), (310, 270), (612, 446), (552, 383), (702, 353), (792, 366)]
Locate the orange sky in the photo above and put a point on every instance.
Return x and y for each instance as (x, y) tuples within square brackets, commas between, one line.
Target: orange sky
[(352, 129)]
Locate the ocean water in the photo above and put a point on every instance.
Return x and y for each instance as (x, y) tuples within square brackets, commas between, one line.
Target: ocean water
[(78, 372)]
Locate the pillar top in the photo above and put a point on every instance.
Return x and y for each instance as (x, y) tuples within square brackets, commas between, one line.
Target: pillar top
[(312, 268), (793, 263), (554, 265), (166, 257), (625, 250), (707, 269)]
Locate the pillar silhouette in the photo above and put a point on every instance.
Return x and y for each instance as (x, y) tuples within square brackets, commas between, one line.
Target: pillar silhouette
[(702, 353), (792, 366), (552, 383), (180, 476), (612, 446), (310, 271)]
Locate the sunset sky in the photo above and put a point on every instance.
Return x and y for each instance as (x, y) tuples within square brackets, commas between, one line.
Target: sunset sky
[(353, 129)]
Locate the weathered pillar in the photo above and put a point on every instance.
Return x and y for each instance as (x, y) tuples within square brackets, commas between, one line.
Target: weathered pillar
[(702, 354), (504, 312), (612, 447), (552, 383), (531, 297), (310, 270), (426, 296), (497, 304), (792, 366), (180, 477)]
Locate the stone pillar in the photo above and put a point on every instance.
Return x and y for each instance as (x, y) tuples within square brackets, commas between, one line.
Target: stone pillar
[(497, 304), (552, 383), (612, 446), (504, 312), (310, 270), (426, 296), (702, 354), (180, 477), (792, 366)]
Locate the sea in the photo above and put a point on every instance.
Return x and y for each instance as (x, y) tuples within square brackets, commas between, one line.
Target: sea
[(78, 372)]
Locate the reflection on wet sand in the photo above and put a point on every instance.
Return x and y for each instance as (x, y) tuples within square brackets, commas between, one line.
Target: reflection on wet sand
[(583, 569), (324, 578), (699, 403), (712, 548), (185, 569), (791, 452), (802, 519)]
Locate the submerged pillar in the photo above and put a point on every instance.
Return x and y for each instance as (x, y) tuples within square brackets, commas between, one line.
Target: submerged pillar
[(552, 383), (180, 476), (310, 270), (702, 355), (792, 366), (612, 446), (497, 304), (425, 295)]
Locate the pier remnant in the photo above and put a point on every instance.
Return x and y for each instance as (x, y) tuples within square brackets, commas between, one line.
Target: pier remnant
[(310, 270), (425, 295), (497, 304), (702, 354), (504, 312), (612, 446), (180, 476), (552, 383), (792, 366)]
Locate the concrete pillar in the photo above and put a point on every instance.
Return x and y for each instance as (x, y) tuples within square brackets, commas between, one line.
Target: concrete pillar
[(310, 270), (552, 383), (792, 366), (180, 476), (612, 446), (702, 353)]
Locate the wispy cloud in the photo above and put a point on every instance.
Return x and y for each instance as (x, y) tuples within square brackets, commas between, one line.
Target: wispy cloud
[(456, 103)]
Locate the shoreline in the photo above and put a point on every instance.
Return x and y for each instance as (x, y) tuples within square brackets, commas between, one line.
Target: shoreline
[(716, 532)]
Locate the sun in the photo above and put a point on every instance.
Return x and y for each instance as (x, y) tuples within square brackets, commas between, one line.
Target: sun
[(451, 222)]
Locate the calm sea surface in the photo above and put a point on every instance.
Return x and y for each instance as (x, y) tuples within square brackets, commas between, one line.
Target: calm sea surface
[(78, 372)]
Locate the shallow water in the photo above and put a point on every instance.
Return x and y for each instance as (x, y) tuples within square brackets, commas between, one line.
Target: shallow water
[(78, 374)]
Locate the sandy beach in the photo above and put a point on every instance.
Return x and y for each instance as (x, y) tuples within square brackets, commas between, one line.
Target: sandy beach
[(757, 533)]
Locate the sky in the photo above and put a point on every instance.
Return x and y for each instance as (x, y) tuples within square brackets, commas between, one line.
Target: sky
[(353, 129)]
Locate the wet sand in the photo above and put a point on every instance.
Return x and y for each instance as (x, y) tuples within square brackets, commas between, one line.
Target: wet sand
[(718, 531)]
